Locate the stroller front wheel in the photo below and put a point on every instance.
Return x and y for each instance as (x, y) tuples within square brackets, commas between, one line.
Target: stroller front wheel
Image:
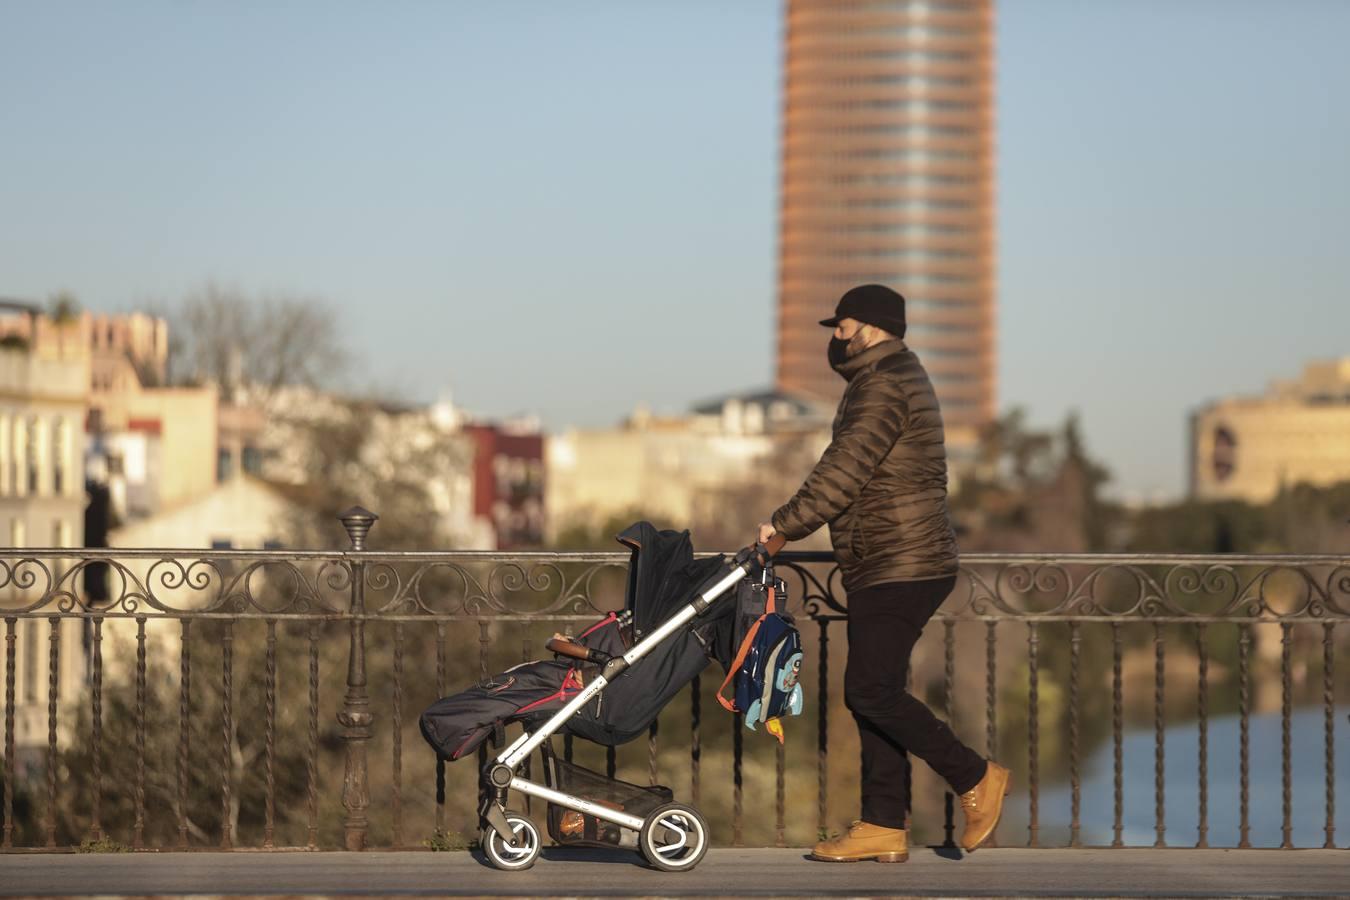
[(505, 856), (674, 837)]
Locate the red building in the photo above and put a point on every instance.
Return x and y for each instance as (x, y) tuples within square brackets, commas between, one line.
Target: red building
[(508, 482)]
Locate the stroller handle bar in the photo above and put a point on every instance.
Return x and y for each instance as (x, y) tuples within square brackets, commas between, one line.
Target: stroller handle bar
[(564, 647)]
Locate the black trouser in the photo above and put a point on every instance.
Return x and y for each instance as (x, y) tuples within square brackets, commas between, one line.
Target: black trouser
[(884, 623)]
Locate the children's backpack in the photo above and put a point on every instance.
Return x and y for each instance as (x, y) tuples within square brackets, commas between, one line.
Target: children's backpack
[(769, 659)]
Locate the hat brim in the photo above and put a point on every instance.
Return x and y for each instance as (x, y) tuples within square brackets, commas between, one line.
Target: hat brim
[(832, 322)]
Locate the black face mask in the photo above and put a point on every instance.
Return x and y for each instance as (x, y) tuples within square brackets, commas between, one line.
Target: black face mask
[(838, 352)]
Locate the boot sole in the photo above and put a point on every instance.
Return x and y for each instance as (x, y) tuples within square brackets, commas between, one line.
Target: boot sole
[(879, 857), (1007, 789)]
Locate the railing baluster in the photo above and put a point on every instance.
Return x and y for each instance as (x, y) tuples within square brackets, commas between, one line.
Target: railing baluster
[(270, 737), (440, 692), (611, 762), (398, 734), (1202, 655), (1117, 736), (1244, 740), (356, 718), (313, 761), (483, 675), (780, 800), (991, 700), (96, 736), (1159, 747), (1286, 711), (138, 834), (822, 726), (1329, 706), (8, 839), (1033, 732), (1075, 783), (737, 785), (525, 768), (991, 688), (227, 733), (53, 687), (184, 732)]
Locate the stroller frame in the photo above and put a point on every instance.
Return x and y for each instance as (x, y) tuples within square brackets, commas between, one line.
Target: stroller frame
[(673, 837)]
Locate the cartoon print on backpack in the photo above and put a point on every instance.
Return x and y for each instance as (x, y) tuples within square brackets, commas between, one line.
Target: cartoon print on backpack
[(787, 683)]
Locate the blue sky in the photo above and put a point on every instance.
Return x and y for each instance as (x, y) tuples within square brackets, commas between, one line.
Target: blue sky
[(570, 207)]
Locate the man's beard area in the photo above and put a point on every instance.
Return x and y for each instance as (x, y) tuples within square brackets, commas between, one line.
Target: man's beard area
[(857, 344)]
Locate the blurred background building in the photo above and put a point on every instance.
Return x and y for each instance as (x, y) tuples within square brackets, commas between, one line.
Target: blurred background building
[(1298, 432)]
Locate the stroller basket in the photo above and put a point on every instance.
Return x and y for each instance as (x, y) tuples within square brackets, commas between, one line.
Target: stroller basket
[(571, 828)]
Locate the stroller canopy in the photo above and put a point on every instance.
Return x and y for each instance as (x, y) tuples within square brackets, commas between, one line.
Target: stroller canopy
[(662, 575)]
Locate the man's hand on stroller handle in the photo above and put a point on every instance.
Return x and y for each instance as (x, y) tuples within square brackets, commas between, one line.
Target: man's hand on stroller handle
[(765, 549), (773, 543)]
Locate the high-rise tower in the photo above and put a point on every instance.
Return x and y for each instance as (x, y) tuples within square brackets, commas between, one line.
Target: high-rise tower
[(888, 177)]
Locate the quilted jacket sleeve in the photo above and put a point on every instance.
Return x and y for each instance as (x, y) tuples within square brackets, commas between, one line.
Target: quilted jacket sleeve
[(873, 418)]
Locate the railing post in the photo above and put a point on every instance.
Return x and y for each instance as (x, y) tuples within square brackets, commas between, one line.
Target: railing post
[(355, 716)]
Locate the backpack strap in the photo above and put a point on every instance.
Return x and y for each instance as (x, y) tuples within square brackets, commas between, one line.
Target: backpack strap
[(744, 650)]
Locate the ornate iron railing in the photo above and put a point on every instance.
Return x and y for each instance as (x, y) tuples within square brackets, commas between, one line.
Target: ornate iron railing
[(278, 619)]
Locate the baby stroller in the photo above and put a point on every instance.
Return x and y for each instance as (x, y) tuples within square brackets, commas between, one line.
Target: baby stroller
[(609, 685)]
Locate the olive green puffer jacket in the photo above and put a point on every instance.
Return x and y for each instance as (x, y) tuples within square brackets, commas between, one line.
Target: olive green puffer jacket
[(881, 485)]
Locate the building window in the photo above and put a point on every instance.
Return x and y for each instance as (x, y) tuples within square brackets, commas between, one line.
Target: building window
[(1225, 453), (899, 179), (18, 444), (909, 204), (942, 302), (60, 453), (222, 544), (921, 330), (252, 460), (906, 105), (908, 229), (922, 254), (916, 56), (6, 479), (912, 130), (909, 279), (948, 353), (224, 464), (273, 544), (32, 456)]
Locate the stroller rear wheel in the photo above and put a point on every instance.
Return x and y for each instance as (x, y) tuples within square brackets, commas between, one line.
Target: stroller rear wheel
[(504, 856), (674, 837)]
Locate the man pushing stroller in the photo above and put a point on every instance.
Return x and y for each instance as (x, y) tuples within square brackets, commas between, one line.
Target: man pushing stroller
[(881, 486)]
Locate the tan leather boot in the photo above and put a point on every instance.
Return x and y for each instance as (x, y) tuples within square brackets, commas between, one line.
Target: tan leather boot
[(865, 841), (984, 805)]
